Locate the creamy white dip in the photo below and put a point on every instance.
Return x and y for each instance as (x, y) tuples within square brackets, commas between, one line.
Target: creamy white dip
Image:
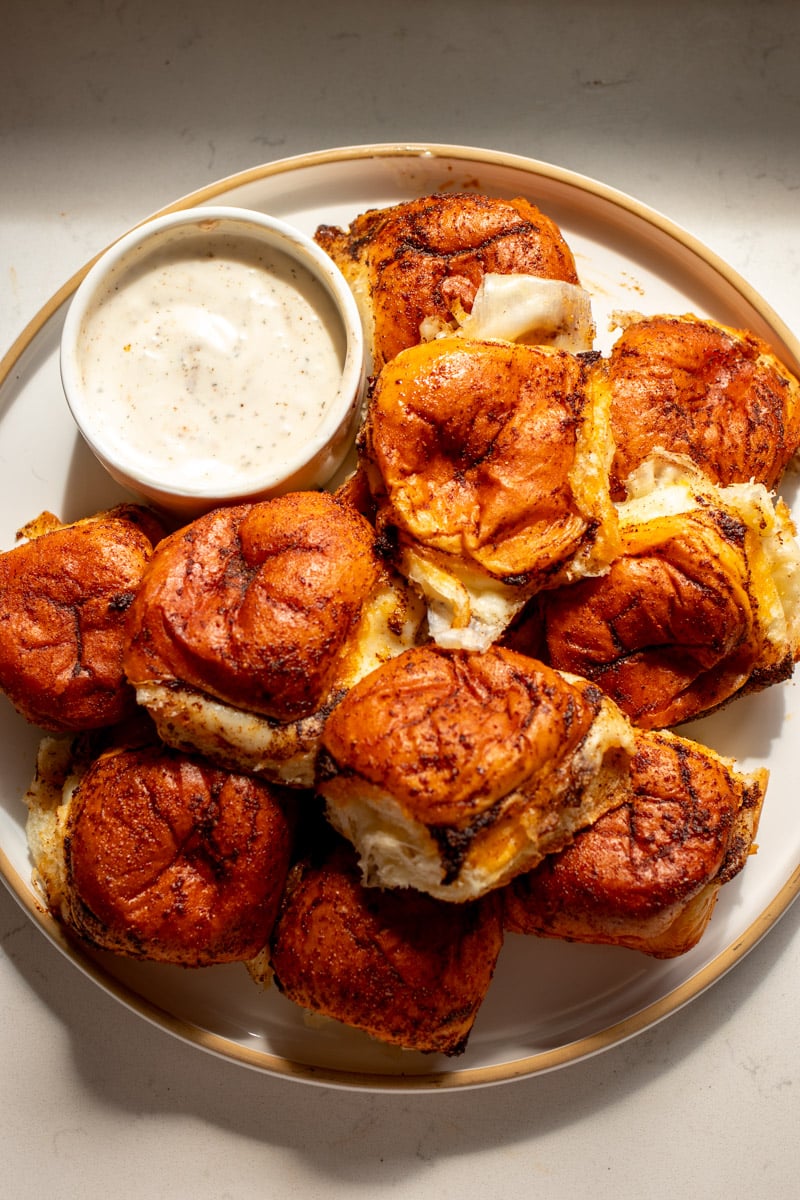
[(207, 367)]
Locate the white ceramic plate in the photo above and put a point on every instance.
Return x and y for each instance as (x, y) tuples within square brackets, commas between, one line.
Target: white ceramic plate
[(550, 1003)]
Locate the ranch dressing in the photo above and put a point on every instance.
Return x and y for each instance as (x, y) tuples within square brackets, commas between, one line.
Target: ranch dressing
[(206, 367)]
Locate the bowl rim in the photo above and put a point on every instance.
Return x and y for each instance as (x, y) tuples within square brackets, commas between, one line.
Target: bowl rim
[(254, 224)]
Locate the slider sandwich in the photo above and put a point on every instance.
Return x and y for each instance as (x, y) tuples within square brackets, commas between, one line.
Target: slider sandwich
[(696, 388), (252, 623), (451, 772), (648, 873), (402, 966), (460, 263), (153, 854), (488, 466), (64, 595), (702, 603)]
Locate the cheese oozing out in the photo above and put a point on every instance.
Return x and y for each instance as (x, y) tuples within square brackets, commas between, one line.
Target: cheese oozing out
[(524, 308)]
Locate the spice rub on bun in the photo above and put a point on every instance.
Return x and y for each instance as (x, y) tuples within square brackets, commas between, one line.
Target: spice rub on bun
[(694, 387), (702, 604), (152, 854), (64, 594), (648, 873), (403, 967), (488, 464), (253, 621), (451, 772), (415, 268)]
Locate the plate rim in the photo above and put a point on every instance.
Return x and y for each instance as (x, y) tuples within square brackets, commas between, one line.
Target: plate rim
[(278, 1066), (441, 150), (442, 1079)]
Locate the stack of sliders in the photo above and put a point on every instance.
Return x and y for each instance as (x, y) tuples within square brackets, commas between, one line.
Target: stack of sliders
[(353, 739)]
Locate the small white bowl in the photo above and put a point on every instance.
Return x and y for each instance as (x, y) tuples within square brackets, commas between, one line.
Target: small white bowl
[(212, 356)]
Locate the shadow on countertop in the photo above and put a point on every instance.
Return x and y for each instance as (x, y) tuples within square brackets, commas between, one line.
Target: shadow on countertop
[(351, 1137)]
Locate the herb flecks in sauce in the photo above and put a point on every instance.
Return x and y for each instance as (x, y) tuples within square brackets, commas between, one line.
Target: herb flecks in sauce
[(205, 369)]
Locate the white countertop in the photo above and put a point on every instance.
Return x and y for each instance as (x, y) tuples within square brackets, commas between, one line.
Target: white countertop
[(109, 111)]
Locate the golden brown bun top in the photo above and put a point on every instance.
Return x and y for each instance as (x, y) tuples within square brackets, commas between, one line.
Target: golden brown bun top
[(254, 604), (685, 618), (665, 642), (63, 599), (173, 859), (423, 258), (448, 734), (400, 965), (472, 449), (676, 832), (694, 387)]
